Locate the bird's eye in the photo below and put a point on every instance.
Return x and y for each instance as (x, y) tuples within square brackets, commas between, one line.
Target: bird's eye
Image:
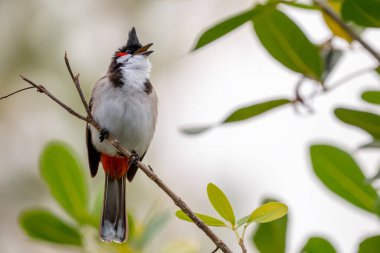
[(119, 54)]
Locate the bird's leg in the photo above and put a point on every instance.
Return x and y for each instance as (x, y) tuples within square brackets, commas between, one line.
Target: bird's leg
[(134, 158), (103, 134)]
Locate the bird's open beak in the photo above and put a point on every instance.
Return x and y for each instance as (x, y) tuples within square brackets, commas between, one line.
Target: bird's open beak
[(144, 50)]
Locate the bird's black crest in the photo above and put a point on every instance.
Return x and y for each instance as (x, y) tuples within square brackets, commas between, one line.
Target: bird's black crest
[(133, 42), (132, 45)]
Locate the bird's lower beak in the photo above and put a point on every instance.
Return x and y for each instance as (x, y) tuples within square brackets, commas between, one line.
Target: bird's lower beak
[(144, 50)]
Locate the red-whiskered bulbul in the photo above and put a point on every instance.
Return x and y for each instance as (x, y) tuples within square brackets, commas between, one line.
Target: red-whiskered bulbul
[(124, 104)]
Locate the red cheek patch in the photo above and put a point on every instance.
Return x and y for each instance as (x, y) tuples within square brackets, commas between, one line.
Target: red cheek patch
[(119, 54)]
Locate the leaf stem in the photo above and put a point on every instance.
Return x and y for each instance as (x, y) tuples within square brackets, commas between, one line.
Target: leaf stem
[(326, 9), (340, 82)]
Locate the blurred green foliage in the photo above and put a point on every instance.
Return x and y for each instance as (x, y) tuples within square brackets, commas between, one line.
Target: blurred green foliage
[(268, 212), (65, 176), (318, 245), (336, 168), (271, 237), (285, 41)]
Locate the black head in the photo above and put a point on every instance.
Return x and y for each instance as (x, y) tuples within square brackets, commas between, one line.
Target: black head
[(133, 43)]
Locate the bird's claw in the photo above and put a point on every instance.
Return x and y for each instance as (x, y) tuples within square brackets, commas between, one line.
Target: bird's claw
[(103, 134), (134, 158)]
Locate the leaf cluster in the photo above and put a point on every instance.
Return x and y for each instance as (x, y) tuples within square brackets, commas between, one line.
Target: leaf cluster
[(64, 175), (265, 213), (287, 43)]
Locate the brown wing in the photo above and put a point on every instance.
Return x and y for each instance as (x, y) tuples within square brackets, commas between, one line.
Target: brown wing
[(93, 154)]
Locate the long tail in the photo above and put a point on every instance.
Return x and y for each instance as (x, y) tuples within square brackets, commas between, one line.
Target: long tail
[(114, 225)]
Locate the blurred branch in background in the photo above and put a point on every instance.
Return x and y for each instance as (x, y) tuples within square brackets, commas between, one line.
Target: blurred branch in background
[(286, 42), (347, 28)]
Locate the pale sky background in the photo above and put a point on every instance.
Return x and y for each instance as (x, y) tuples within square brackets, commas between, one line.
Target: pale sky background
[(264, 157)]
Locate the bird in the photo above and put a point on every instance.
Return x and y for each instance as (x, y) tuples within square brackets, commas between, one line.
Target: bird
[(124, 104)]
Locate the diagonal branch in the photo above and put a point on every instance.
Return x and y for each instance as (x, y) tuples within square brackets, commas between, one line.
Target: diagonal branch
[(77, 85), (145, 168), (325, 8), (27, 88), (42, 89)]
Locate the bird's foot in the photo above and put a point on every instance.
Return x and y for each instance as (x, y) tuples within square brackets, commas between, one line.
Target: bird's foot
[(134, 158), (103, 134)]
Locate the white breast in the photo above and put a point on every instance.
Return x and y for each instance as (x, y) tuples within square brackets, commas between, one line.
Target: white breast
[(127, 112)]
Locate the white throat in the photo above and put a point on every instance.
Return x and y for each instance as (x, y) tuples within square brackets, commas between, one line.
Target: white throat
[(135, 67)]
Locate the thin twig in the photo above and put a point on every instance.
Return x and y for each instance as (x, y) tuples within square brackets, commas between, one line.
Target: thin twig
[(42, 89), (242, 246), (77, 85), (27, 88), (349, 77), (297, 92), (348, 29), (240, 240), (215, 250), (145, 168), (299, 99), (340, 82)]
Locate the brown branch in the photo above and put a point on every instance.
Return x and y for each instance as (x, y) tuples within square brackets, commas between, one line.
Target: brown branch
[(177, 200), (215, 250), (27, 88), (326, 9), (146, 169), (42, 89), (242, 246), (77, 85)]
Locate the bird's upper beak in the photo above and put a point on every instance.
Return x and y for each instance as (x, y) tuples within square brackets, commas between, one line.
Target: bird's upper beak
[(144, 50)]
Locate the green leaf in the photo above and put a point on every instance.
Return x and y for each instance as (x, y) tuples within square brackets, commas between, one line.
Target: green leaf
[(362, 12), (318, 245), (220, 203), (255, 110), (372, 97), (334, 27), (240, 114), (377, 70), (366, 121), (63, 173), (196, 130), (342, 175), (225, 27), (271, 237), (132, 227), (370, 245), (300, 5), (43, 225), (268, 212), (287, 43), (242, 221), (208, 220)]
